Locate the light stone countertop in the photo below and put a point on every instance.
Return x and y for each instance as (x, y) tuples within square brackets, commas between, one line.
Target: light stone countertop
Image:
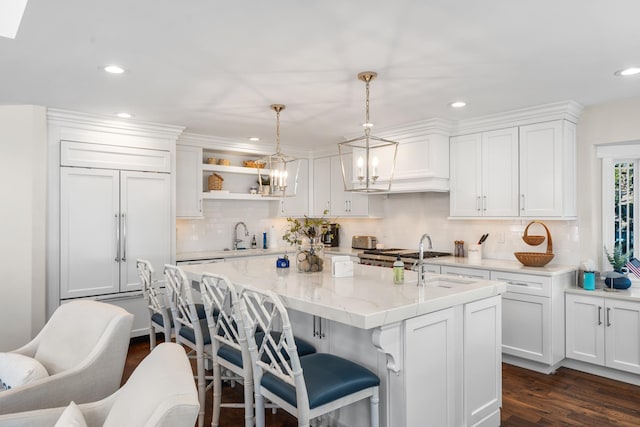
[(631, 294), (367, 300), (511, 266), (222, 254)]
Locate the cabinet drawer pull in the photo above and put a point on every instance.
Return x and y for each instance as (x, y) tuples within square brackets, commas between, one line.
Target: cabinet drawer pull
[(484, 203), (478, 203), (522, 204), (599, 315), (608, 316), (518, 283)]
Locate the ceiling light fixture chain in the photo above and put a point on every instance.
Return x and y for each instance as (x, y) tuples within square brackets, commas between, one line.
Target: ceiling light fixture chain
[(277, 108)]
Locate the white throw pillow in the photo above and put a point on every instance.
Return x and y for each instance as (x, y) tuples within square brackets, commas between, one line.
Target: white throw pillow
[(17, 369), (71, 417)]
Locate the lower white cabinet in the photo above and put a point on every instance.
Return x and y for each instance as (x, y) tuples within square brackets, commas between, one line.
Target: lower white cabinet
[(527, 326), (603, 331), (453, 366), (433, 353), (532, 315)]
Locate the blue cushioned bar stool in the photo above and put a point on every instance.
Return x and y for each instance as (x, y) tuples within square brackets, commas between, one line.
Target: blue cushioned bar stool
[(191, 330), (230, 346), (307, 386)]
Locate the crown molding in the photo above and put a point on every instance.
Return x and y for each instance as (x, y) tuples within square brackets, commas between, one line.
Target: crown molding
[(564, 110), (86, 121), (230, 145)]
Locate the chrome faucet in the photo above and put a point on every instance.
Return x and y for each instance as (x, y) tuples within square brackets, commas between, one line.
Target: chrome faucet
[(421, 258), (235, 234)]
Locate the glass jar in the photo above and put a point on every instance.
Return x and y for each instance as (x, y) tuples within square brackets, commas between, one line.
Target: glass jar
[(310, 256)]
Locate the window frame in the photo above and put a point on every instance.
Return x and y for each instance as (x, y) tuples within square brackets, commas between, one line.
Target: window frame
[(610, 154)]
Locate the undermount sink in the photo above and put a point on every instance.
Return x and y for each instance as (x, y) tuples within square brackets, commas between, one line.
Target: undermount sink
[(447, 282)]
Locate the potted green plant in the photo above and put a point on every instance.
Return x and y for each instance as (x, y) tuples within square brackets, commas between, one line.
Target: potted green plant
[(617, 279), (304, 234)]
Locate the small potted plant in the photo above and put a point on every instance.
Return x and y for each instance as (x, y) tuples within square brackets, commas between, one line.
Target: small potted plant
[(617, 279), (304, 233)]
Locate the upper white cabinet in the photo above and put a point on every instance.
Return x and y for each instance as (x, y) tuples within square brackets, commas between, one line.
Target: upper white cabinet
[(547, 169), (329, 194), (298, 205), (525, 171), (188, 182), (484, 180)]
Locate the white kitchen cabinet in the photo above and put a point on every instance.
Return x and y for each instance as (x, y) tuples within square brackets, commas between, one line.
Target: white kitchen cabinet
[(482, 362), (525, 171), (464, 375), (345, 203), (108, 219), (547, 169), (484, 180), (298, 205), (329, 194), (533, 318), (603, 331), (321, 186), (434, 335), (188, 182)]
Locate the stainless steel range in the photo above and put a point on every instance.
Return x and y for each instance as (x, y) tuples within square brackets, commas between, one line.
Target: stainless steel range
[(386, 257)]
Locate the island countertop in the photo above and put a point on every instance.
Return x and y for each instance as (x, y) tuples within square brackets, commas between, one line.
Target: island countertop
[(367, 300)]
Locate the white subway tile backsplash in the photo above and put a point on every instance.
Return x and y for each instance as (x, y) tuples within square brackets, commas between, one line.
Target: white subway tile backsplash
[(406, 218)]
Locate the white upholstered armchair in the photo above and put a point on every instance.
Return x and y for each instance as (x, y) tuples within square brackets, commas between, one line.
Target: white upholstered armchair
[(160, 393), (83, 348)]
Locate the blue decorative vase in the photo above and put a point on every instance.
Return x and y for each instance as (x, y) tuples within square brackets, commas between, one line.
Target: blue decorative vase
[(617, 280)]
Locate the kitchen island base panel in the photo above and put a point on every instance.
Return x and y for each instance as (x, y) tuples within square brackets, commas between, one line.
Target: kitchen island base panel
[(433, 386), (542, 368)]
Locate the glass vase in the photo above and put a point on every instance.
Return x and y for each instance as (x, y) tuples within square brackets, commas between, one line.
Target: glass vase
[(310, 256)]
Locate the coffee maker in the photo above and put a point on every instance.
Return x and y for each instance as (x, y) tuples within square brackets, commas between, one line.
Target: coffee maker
[(331, 235)]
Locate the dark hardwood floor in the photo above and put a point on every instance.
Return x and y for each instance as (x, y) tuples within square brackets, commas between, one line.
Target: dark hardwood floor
[(567, 398)]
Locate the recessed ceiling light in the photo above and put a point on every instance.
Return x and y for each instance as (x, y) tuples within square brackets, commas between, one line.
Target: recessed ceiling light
[(124, 115), (628, 71), (458, 104), (254, 138), (114, 69)]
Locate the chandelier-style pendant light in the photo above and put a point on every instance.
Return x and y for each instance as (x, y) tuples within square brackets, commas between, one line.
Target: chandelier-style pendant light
[(280, 179), (368, 161)]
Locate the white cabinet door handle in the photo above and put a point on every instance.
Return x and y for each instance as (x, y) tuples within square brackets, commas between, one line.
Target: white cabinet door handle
[(478, 203), (599, 315), (522, 204), (124, 238), (484, 203)]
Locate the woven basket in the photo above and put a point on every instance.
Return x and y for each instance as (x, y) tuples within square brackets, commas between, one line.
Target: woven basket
[(252, 164), (212, 160), (224, 162), (215, 182), (536, 259)]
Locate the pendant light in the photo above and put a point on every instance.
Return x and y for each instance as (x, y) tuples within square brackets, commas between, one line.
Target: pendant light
[(368, 161), (282, 170)]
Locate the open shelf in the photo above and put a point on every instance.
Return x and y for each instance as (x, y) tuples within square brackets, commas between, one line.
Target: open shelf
[(222, 195), (233, 169)]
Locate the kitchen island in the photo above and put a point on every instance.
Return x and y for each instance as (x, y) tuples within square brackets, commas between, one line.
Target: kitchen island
[(436, 349)]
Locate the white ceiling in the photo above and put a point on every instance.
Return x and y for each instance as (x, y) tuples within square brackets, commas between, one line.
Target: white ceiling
[(215, 66)]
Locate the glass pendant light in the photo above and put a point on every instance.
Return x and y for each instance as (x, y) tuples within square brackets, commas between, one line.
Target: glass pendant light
[(368, 161), (280, 179)]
